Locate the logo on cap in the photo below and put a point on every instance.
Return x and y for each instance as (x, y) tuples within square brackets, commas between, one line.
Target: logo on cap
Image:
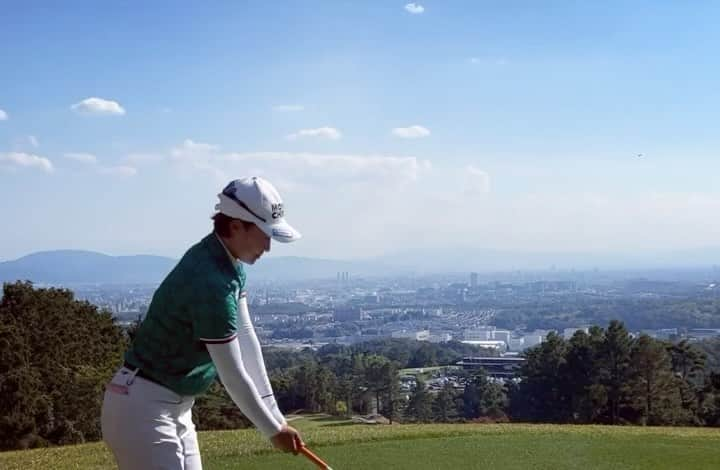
[(277, 210)]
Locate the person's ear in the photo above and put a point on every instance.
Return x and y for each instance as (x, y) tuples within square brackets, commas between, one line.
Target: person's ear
[(237, 226)]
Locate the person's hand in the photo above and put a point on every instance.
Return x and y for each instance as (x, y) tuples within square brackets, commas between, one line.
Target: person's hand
[(287, 440)]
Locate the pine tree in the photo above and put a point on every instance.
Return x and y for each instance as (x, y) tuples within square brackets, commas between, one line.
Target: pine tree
[(540, 396), (580, 376), (614, 369), (420, 404), (688, 363), (444, 404), (653, 387)]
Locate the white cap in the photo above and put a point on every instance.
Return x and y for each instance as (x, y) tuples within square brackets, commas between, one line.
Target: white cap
[(254, 199)]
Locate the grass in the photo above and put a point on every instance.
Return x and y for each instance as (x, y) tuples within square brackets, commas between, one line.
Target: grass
[(439, 446)]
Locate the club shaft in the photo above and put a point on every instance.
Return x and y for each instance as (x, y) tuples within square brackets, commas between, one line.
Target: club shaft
[(317, 460)]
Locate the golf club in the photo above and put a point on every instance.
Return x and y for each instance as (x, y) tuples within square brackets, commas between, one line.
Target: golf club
[(314, 458)]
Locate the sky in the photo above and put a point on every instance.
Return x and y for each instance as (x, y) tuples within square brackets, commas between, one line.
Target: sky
[(388, 127)]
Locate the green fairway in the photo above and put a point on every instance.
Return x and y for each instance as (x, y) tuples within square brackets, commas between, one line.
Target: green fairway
[(471, 446)]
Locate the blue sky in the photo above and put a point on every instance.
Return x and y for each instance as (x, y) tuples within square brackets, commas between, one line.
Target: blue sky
[(439, 126)]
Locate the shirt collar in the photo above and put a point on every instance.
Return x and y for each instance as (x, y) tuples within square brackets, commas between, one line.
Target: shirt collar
[(234, 260)]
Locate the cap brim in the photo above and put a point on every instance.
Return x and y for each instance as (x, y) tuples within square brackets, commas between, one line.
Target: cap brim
[(281, 231)]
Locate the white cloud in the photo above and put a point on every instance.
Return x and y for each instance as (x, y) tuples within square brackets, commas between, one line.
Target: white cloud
[(288, 108), (85, 158), (98, 106), (22, 144), (14, 160), (91, 160), (144, 158), (3, 115), (412, 132), (298, 170), (190, 147), (414, 8), (118, 171), (488, 61), (331, 170), (476, 181), (321, 132)]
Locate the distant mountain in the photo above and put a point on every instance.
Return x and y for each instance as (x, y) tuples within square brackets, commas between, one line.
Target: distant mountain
[(293, 267), (76, 267), (87, 267)]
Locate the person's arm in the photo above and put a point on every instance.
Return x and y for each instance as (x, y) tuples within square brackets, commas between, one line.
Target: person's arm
[(241, 388), (215, 325), (253, 359)]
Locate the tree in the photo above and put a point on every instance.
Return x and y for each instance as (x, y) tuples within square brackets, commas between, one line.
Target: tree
[(580, 376), (57, 353), (615, 369), (710, 404), (483, 397), (420, 404), (425, 356), (688, 363), (443, 407), (539, 396), (652, 386), (326, 386), (375, 376)]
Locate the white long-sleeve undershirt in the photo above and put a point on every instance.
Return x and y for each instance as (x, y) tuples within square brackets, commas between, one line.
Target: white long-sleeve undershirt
[(253, 359), (241, 387)]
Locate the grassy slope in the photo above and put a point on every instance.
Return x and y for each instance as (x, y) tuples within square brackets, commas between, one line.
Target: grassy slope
[(508, 446)]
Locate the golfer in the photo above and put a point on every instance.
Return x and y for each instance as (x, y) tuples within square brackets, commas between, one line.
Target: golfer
[(197, 328)]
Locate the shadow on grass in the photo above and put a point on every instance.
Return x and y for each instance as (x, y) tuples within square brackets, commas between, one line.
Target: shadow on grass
[(325, 419), (344, 423)]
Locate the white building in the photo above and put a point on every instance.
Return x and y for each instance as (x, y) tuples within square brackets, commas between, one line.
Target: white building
[(486, 333), (488, 344), (440, 338), (533, 339), (421, 335), (569, 332), (516, 344)]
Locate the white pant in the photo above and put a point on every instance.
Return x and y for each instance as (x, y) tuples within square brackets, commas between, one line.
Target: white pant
[(148, 426)]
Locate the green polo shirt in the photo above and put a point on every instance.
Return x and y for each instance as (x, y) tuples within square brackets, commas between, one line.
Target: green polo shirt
[(195, 305)]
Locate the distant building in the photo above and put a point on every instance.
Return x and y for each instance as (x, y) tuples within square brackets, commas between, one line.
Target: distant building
[(489, 344), (478, 334), (371, 299), (501, 335), (703, 333), (665, 333), (440, 338), (349, 314), (533, 339), (569, 332), (516, 344), (489, 333), (421, 335), (473, 280), (496, 367)]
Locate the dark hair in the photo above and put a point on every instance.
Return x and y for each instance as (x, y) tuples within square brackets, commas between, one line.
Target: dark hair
[(221, 224)]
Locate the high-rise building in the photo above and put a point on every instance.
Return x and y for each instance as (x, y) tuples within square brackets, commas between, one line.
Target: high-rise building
[(473, 280)]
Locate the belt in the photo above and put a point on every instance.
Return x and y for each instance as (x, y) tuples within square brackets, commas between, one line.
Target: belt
[(140, 373)]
